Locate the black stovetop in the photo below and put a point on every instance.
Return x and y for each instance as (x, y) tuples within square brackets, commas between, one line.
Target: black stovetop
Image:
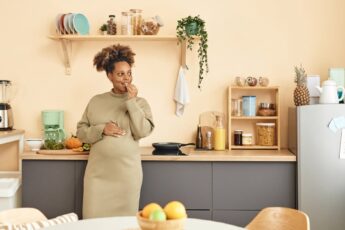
[(169, 152)]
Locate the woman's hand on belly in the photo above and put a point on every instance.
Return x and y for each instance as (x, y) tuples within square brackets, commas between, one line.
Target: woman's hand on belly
[(113, 129)]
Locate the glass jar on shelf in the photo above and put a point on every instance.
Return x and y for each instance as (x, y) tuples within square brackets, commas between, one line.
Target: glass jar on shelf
[(126, 23), (136, 21), (111, 25), (265, 134), (236, 105), (247, 139), (238, 137)]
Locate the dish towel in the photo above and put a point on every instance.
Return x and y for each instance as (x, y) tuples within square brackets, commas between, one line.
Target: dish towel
[(181, 96)]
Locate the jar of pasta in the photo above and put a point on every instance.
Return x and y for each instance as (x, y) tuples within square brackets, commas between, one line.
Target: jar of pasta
[(265, 134), (136, 21)]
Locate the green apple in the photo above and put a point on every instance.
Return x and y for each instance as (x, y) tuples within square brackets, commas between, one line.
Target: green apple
[(158, 215)]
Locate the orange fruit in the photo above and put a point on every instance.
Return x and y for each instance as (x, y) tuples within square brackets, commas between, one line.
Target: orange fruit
[(149, 208), (175, 210)]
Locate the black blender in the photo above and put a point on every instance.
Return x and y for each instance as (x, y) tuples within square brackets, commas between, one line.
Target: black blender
[(6, 115)]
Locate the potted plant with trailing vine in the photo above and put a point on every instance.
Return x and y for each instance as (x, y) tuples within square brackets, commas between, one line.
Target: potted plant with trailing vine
[(188, 29)]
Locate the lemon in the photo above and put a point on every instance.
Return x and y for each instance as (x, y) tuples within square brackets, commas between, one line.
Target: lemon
[(149, 208), (175, 210)]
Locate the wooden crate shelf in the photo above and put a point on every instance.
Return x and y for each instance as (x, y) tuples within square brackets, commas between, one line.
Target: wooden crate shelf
[(248, 124)]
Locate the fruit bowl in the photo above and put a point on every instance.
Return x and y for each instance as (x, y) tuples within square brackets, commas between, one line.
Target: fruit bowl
[(146, 224)]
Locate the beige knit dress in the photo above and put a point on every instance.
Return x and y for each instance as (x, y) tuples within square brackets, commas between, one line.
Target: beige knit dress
[(113, 175)]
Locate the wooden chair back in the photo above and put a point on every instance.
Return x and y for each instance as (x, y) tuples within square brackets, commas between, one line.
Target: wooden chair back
[(21, 216), (279, 218)]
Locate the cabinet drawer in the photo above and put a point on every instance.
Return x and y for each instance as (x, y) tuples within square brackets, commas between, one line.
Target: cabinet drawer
[(238, 218), (200, 214), (253, 185), (188, 182)]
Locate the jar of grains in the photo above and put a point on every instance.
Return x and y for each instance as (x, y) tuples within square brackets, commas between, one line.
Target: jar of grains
[(247, 139), (265, 134), (126, 23), (136, 21)]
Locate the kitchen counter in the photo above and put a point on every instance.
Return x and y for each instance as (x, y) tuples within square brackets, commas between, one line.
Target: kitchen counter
[(146, 155), (11, 148), (226, 186), (9, 133)]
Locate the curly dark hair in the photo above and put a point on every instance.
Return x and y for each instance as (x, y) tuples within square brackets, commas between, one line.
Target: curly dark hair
[(107, 57)]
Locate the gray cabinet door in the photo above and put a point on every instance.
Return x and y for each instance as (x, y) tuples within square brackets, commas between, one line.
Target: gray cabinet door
[(49, 186), (254, 185), (79, 189), (188, 182), (238, 218)]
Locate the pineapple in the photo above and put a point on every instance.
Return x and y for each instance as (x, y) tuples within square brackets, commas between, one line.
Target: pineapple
[(301, 93)]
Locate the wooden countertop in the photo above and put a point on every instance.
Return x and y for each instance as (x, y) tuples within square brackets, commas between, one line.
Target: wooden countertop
[(11, 133), (146, 155)]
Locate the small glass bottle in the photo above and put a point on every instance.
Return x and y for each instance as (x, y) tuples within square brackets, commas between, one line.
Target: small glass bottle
[(111, 29), (126, 23), (238, 137), (219, 134), (209, 140), (198, 141)]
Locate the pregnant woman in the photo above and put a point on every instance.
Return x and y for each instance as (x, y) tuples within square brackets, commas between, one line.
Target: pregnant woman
[(113, 122)]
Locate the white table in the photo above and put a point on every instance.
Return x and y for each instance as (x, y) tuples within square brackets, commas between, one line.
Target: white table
[(130, 223)]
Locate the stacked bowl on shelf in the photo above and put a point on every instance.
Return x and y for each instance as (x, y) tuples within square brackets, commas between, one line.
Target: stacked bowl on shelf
[(72, 23)]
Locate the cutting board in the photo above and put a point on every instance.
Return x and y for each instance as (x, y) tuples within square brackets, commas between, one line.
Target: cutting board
[(61, 152)]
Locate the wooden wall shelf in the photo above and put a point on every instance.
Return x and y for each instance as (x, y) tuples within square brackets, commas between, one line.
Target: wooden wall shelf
[(255, 118), (254, 147), (66, 40), (114, 38)]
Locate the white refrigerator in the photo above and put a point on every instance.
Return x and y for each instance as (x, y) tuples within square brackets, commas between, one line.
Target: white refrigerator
[(320, 170)]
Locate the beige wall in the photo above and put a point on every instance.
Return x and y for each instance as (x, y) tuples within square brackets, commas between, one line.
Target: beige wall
[(248, 37)]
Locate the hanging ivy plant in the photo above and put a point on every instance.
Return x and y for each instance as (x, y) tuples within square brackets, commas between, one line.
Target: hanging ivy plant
[(188, 29)]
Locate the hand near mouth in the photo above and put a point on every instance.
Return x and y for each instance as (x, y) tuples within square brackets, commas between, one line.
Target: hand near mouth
[(132, 90)]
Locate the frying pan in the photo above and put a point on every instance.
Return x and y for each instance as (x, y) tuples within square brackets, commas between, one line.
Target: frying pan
[(169, 146)]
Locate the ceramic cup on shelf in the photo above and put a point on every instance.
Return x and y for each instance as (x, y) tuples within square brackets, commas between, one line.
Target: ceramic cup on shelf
[(263, 81), (251, 81), (240, 81)]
